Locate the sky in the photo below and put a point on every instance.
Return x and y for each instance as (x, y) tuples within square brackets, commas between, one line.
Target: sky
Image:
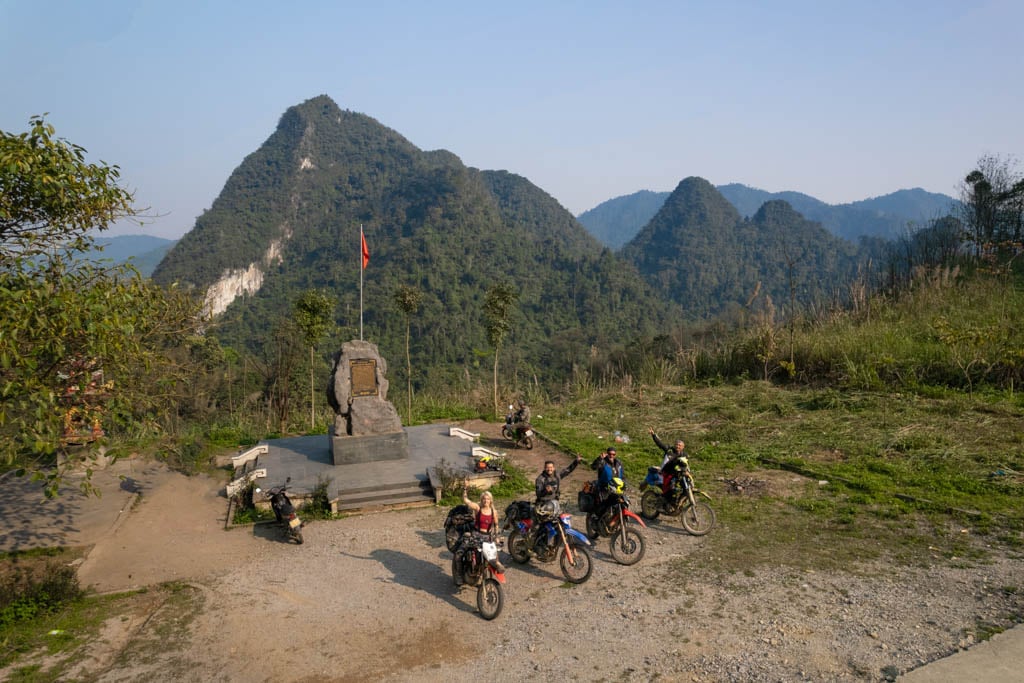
[(588, 100)]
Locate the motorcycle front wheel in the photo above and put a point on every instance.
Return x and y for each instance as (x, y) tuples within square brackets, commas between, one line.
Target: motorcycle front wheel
[(698, 518), (489, 599), (517, 547), (650, 505), (507, 433), (628, 546), (576, 567)]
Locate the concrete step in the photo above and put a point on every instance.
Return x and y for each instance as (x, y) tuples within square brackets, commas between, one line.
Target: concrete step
[(385, 494)]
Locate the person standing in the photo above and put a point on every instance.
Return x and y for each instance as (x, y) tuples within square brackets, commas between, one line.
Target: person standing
[(548, 481)]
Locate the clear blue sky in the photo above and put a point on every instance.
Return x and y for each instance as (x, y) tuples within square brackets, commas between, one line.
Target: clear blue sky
[(588, 100)]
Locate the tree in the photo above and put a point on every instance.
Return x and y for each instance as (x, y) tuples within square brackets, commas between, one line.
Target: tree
[(50, 197), (83, 348), (498, 314), (993, 200), (314, 314), (408, 299)]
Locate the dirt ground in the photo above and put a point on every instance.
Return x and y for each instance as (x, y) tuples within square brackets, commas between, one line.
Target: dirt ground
[(370, 597)]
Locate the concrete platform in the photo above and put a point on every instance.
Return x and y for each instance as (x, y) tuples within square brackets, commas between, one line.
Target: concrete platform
[(307, 460)]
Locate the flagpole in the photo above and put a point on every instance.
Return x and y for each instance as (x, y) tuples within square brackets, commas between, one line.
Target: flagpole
[(359, 251)]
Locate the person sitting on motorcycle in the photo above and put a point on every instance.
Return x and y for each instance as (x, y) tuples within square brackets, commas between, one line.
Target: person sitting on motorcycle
[(609, 469), (548, 481), (522, 416), (672, 462), (485, 522)]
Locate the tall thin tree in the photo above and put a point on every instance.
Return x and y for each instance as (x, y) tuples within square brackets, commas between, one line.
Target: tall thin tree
[(408, 299), (314, 313), (498, 304)]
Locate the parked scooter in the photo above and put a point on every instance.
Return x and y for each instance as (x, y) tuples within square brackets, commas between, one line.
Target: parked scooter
[(521, 433), (284, 511)]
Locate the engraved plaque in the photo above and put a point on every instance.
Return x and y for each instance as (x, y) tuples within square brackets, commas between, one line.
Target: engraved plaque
[(364, 377)]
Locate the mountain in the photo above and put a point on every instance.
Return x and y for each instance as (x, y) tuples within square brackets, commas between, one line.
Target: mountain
[(288, 219), (143, 251), (617, 220), (700, 253)]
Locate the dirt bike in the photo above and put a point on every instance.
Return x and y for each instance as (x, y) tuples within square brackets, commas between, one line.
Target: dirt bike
[(284, 511), (544, 532), (476, 564), (520, 433), (628, 543), (680, 499)]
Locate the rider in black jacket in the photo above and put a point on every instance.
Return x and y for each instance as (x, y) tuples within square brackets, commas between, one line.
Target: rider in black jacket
[(548, 481)]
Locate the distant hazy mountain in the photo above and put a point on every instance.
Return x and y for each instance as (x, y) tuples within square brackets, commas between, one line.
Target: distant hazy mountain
[(701, 254), (616, 221), (144, 251)]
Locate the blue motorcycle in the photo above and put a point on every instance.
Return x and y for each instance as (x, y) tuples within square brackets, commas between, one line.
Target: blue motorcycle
[(544, 532)]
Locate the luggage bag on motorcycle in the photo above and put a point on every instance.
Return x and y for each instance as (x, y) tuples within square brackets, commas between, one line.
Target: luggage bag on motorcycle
[(460, 518), (585, 499), (459, 521), (518, 509)]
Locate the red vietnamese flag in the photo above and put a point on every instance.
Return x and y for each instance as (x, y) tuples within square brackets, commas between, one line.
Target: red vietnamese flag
[(366, 250)]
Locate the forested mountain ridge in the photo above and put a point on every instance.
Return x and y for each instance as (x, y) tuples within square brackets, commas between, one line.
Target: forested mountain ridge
[(699, 253), (616, 221), (289, 216)]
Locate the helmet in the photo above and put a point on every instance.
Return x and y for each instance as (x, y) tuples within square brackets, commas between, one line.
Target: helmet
[(616, 485), (548, 509)]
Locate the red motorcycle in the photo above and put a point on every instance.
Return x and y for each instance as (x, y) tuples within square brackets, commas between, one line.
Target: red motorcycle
[(477, 565), (628, 544)]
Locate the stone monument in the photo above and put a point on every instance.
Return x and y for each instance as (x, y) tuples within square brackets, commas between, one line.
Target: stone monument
[(366, 426)]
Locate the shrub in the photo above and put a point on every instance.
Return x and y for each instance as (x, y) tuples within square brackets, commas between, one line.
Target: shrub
[(26, 593)]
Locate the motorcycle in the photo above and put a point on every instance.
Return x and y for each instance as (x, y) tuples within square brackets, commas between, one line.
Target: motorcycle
[(682, 499), (544, 532), (520, 433), (284, 511), (628, 543), (479, 566)]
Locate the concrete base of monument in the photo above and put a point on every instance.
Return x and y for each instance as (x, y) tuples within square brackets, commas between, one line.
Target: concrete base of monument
[(349, 450), (365, 485)]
